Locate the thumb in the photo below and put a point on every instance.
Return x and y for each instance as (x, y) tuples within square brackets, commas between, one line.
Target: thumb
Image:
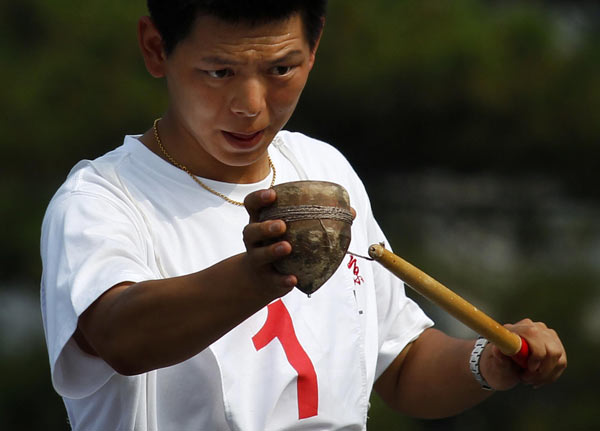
[(257, 200)]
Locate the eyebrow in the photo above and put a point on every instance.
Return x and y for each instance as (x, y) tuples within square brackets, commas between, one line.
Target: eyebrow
[(222, 61), (287, 57)]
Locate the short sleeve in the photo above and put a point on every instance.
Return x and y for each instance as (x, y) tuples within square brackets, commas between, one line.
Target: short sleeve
[(400, 319), (90, 243)]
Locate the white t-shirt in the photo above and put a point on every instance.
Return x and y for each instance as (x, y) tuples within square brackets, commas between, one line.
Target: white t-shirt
[(300, 363)]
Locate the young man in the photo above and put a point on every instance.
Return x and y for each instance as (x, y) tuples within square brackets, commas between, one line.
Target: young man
[(161, 306)]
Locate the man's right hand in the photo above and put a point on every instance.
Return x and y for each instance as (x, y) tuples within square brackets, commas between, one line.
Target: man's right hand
[(261, 245)]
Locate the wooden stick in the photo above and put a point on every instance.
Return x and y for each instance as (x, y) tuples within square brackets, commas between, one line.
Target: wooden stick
[(508, 342)]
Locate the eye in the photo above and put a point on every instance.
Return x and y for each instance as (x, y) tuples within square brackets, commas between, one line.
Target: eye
[(219, 74), (281, 70)]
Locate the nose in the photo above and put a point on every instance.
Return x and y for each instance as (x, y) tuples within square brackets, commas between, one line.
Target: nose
[(249, 98)]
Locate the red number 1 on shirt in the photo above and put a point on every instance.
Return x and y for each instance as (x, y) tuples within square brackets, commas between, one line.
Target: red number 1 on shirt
[(279, 325)]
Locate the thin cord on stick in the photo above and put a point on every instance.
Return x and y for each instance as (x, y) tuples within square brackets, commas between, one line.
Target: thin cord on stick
[(359, 255)]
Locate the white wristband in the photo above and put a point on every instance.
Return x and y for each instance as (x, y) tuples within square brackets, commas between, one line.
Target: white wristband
[(474, 362)]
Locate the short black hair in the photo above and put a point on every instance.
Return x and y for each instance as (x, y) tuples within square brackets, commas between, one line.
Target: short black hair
[(174, 18)]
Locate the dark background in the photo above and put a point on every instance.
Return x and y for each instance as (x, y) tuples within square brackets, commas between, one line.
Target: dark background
[(473, 123)]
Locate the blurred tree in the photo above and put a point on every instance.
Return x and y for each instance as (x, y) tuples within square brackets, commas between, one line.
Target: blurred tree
[(465, 85)]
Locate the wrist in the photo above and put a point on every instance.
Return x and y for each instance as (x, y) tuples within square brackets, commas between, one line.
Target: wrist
[(475, 363)]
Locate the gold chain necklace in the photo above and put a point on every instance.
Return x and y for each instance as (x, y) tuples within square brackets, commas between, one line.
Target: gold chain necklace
[(195, 178)]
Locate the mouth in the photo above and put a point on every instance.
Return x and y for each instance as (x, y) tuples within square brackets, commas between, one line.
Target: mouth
[(243, 140)]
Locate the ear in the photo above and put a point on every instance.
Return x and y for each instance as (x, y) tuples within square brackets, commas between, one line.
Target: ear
[(151, 45), (313, 53)]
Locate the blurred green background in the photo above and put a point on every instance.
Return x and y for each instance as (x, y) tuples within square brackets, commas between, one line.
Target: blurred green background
[(474, 124)]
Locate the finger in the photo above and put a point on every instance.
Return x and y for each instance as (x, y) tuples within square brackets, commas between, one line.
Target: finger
[(553, 374), (548, 357), (535, 360), (551, 367), (553, 359), (256, 233), (284, 281), (533, 374), (255, 201), (260, 256), (263, 257), (264, 274), (561, 366)]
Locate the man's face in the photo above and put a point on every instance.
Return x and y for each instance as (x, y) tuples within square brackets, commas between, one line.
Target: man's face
[(233, 87)]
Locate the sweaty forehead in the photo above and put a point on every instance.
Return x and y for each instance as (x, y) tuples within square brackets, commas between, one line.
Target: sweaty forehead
[(211, 35)]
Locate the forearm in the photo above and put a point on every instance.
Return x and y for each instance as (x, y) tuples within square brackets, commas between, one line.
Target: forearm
[(433, 378), (154, 324), (144, 326)]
